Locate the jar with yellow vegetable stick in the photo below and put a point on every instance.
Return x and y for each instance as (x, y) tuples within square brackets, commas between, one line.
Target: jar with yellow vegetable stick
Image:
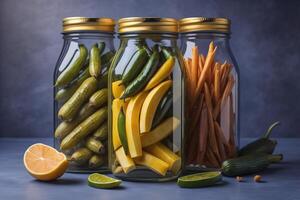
[(80, 92), (212, 90), (146, 91)]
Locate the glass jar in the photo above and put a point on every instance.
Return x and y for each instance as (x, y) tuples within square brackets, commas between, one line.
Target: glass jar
[(146, 88), (212, 91), (80, 92)]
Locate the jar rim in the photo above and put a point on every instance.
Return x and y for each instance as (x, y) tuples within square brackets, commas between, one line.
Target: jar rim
[(204, 24), (148, 25), (71, 24)]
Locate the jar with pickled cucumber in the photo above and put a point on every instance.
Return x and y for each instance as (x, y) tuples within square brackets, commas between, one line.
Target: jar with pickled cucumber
[(212, 91), (81, 93), (146, 91)]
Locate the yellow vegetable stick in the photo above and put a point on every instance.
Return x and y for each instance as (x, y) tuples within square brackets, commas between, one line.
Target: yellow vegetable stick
[(116, 108), (154, 163), (163, 72), (150, 105), (117, 89), (125, 161), (164, 153), (132, 124), (160, 132)]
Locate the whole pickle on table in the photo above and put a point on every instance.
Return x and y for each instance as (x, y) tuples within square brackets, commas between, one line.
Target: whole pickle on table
[(249, 164), (72, 71)]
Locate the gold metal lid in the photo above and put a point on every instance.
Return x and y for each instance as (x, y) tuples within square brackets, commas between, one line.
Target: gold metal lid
[(148, 25), (193, 24), (88, 24)]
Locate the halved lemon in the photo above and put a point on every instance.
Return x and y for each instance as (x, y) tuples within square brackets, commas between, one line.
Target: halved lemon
[(44, 162)]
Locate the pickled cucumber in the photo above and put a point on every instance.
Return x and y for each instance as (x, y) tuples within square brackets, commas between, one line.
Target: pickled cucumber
[(64, 94), (84, 129), (101, 46), (72, 106), (95, 62), (99, 98), (66, 127), (81, 156), (101, 132), (95, 145), (72, 71), (96, 161), (102, 83)]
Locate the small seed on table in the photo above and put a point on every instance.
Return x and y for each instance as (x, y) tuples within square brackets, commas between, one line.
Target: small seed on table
[(257, 178)]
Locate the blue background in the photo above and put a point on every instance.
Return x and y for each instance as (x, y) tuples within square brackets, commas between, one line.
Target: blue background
[(265, 42)]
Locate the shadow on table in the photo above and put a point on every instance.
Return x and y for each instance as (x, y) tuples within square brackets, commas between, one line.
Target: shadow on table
[(282, 166), (63, 181)]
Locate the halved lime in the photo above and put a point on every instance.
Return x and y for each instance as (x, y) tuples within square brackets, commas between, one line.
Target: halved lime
[(101, 181), (199, 180)]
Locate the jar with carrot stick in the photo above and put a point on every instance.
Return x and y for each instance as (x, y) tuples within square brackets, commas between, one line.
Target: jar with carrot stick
[(212, 82), (146, 92)]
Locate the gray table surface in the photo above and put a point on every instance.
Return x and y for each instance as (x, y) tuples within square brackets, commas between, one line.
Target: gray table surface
[(281, 181)]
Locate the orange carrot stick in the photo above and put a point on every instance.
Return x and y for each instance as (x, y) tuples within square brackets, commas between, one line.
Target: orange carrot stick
[(217, 85), (212, 136), (225, 94), (228, 89), (206, 68), (195, 64), (203, 131)]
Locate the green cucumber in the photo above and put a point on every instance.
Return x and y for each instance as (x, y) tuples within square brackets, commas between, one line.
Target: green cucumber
[(143, 78), (155, 48), (72, 71), (107, 57), (167, 52), (163, 109), (96, 161), (95, 145), (249, 164), (73, 105), (65, 127), (261, 145), (122, 130), (101, 133), (101, 46), (95, 61), (102, 83), (134, 66), (64, 94), (85, 128), (99, 98), (81, 156)]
